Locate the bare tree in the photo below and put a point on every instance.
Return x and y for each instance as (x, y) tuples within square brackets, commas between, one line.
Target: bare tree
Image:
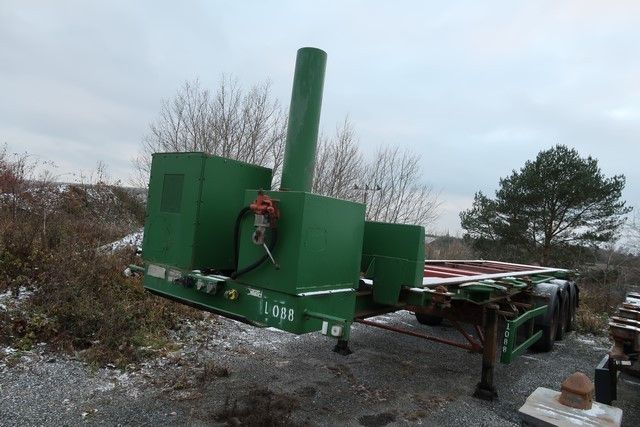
[(16, 170), (398, 194), (244, 125), (389, 184), (631, 232), (339, 164), (26, 184), (251, 126)]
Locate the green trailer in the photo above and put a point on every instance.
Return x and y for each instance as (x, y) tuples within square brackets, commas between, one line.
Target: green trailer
[(218, 238)]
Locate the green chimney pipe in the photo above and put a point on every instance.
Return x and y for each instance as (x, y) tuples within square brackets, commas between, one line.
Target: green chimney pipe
[(304, 119)]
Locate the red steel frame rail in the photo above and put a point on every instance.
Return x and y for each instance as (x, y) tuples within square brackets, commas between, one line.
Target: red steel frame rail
[(473, 346)]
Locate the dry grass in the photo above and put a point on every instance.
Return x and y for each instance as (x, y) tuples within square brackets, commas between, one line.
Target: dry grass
[(590, 322), (600, 295), (82, 302)]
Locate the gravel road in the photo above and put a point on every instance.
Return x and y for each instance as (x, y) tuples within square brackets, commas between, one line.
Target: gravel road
[(228, 372)]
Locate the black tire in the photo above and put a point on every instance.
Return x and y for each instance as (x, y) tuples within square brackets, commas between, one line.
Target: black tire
[(427, 319), (545, 343), (573, 308), (563, 317)]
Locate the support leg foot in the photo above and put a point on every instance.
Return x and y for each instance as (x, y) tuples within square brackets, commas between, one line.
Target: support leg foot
[(342, 348), (485, 392)]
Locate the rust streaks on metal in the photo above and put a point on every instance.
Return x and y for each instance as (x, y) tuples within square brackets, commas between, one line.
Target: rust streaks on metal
[(420, 335)]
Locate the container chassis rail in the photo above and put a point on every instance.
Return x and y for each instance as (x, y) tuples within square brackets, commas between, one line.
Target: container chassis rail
[(536, 306)]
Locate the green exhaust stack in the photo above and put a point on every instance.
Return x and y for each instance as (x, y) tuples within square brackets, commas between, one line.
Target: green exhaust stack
[(304, 120)]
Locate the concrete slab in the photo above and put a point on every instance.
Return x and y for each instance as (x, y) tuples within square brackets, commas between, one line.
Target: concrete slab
[(542, 408)]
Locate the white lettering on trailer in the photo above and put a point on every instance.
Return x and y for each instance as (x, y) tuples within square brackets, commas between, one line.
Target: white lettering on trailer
[(505, 342), (254, 292), (279, 312)]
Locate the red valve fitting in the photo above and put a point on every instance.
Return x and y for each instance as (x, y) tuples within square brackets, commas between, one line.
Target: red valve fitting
[(265, 205)]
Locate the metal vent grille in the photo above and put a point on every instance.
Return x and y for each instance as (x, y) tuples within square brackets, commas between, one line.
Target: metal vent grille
[(172, 193)]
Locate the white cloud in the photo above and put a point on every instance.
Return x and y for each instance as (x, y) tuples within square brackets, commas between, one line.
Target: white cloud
[(624, 114), (477, 88)]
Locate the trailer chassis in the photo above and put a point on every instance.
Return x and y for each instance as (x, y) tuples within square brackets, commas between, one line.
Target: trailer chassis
[(484, 299)]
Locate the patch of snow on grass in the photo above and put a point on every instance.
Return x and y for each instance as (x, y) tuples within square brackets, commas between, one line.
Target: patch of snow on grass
[(586, 340), (8, 298), (130, 240)]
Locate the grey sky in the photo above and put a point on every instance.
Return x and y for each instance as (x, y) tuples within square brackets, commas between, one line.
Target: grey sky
[(476, 87)]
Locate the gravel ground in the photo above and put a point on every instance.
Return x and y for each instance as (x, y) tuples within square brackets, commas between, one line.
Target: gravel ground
[(229, 372)]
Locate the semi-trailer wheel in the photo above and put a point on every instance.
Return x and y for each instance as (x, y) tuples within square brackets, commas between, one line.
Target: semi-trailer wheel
[(545, 343), (563, 317), (573, 308), (427, 319)]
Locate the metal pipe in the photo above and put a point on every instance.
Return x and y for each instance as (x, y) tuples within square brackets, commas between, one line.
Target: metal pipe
[(304, 120), (480, 333), (417, 334), (476, 345)]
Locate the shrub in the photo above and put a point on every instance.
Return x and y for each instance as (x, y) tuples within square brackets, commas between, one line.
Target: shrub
[(81, 300)]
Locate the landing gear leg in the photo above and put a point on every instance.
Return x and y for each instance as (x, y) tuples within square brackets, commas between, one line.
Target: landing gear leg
[(485, 389), (342, 348)]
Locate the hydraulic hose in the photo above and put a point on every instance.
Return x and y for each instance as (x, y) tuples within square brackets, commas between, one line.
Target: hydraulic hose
[(236, 234), (236, 245), (259, 262)]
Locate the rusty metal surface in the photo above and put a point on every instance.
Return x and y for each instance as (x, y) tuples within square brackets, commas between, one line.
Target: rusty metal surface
[(577, 391), (624, 329), (485, 389), (470, 347), (457, 272), (475, 344)]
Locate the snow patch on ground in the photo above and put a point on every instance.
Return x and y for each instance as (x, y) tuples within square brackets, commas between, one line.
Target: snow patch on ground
[(585, 340), (597, 343), (10, 299), (130, 240)]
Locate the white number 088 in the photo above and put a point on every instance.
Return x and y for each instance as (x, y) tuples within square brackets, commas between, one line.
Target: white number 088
[(278, 312)]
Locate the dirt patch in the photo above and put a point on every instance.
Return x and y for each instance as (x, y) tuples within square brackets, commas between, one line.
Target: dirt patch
[(261, 407), (377, 420), (341, 370)]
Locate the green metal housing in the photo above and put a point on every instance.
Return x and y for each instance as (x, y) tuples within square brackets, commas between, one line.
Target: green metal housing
[(195, 199), (259, 306), (319, 244), (393, 257), (192, 205)]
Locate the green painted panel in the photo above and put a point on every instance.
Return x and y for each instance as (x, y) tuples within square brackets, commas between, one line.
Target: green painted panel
[(172, 208), (223, 193), (404, 241), (262, 307), (192, 205), (393, 256), (318, 248), (172, 186)]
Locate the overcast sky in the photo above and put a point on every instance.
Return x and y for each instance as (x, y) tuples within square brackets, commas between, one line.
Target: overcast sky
[(476, 87)]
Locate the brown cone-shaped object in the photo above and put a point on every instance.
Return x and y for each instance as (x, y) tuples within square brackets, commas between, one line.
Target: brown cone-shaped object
[(577, 391)]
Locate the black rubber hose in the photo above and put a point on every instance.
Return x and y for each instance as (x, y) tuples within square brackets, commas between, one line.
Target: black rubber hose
[(236, 234), (258, 263)]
